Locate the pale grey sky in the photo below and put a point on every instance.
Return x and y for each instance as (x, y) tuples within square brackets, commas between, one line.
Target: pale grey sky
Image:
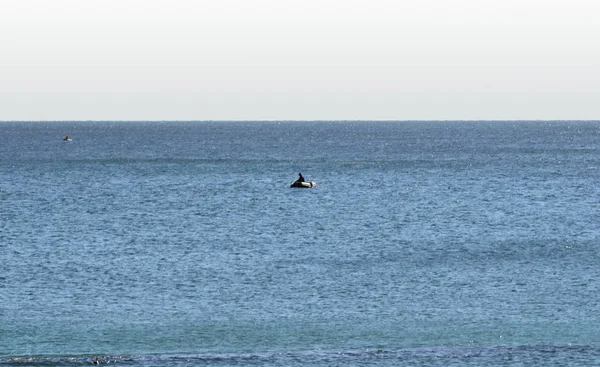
[(299, 60)]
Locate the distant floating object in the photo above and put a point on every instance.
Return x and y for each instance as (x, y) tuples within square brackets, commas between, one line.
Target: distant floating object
[(67, 138), (301, 183)]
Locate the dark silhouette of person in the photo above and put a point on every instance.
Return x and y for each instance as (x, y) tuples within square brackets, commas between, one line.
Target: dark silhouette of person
[(301, 178)]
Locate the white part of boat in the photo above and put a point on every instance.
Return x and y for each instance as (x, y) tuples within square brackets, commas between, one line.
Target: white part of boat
[(303, 185)]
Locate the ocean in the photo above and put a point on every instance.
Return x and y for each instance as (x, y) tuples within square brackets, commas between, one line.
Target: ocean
[(424, 243)]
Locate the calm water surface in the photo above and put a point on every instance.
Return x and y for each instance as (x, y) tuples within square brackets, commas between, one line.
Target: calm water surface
[(181, 243)]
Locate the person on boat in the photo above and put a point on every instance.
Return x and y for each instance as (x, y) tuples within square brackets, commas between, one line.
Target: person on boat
[(67, 137), (301, 178)]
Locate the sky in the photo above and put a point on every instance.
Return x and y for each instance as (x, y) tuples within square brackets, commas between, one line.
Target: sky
[(299, 60)]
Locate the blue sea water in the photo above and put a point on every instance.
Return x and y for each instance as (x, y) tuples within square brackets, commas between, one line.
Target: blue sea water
[(181, 243)]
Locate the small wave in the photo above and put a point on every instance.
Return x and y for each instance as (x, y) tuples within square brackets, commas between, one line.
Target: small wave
[(443, 356), (67, 360)]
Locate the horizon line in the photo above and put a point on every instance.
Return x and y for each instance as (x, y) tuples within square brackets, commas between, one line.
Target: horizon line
[(323, 120)]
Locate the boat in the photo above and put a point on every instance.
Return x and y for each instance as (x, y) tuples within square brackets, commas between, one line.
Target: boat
[(303, 184), (67, 138)]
